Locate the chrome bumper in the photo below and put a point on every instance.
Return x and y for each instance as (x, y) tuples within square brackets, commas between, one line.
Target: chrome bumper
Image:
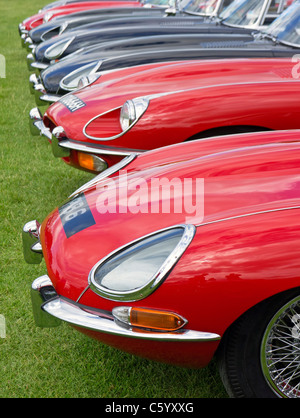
[(37, 88), (34, 65), (98, 150), (42, 98), (27, 42), (22, 29), (36, 124), (32, 249), (34, 80), (49, 309), (61, 146)]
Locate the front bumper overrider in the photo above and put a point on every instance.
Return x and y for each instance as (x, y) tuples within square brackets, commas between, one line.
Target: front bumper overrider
[(32, 249)]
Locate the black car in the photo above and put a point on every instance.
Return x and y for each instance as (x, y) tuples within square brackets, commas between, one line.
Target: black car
[(60, 3), (280, 39), (63, 24), (245, 16), (73, 21)]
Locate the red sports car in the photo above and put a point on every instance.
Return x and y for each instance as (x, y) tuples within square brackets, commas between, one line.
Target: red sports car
[(182, 254), (142, 108)]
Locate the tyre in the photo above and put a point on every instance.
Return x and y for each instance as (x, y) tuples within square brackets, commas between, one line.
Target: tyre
[(259, 356)]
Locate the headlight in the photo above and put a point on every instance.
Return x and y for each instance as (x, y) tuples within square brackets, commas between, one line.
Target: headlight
[(88, 80), (56, 50), (131, 111), (88, 72), (47, 17), (134, 271)]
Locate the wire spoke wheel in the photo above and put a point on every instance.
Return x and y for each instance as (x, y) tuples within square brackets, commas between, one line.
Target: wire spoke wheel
[(280, 351)]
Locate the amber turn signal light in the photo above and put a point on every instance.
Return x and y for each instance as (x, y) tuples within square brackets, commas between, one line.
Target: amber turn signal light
[(91, 162), (149, 318)]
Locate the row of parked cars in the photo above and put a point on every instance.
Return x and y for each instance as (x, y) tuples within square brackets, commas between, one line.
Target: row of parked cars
[(184, 246)]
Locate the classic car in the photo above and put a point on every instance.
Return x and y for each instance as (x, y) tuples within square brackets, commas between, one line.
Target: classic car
[(61, 3), (200, 259), (132, 111), (59, 25), (64, 75), (245, 17), (63, 24), (46, 15)]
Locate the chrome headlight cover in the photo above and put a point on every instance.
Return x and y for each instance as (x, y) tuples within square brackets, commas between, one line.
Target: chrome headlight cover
[(60, 28), (71, 81), (131, 112), (47, 17), (177, 238), (58, 48), (88, 80)]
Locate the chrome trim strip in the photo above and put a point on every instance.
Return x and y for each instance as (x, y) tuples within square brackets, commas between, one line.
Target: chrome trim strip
[(51, 312), (150, 97), (212, 86), (49, 98), (145, 290), (108, 172), (99, 116), (39, 65), (66, 143), (248, 214)]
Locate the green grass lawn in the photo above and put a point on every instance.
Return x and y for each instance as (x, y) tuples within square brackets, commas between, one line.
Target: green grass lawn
[(57, 362)]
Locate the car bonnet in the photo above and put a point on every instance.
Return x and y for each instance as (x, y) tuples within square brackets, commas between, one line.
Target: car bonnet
[(218, 186)]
